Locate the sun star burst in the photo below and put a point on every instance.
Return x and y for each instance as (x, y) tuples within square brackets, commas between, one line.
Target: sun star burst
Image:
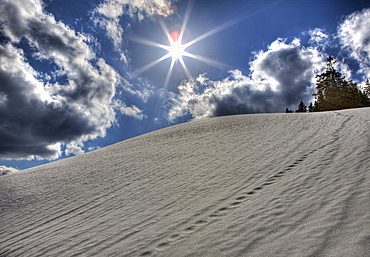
[(176, 49)]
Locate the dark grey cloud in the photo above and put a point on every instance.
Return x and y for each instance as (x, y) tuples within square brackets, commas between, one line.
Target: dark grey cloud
[(243, 100), (280, 77), (39, 116)]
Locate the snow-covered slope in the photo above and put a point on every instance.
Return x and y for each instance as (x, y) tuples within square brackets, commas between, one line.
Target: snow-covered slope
[(247, 185)]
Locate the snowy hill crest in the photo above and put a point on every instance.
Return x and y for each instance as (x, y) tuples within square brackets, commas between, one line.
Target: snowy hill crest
[(247, 185)]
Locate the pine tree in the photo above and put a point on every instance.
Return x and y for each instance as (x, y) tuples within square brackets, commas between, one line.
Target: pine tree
[(288, 111), (301, 107), (311, 108), (334, 92)]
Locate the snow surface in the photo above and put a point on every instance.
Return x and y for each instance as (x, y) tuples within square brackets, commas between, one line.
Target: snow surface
[(246, 185)]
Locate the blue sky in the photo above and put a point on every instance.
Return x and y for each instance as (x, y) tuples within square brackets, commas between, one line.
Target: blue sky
[(76, 75)]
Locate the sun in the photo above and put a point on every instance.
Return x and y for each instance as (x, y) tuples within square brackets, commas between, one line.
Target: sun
[(176, 50)]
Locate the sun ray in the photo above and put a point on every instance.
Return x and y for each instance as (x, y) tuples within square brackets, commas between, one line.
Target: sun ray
[(186, 19), (208, 61), (150, 65), (166, 32), (169, 74), (184, 66), (144, 41), (177, 50), (229, 24)]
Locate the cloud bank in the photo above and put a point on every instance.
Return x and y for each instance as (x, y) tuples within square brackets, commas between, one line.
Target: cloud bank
[(53, 111), (279, 77), (38, 114)]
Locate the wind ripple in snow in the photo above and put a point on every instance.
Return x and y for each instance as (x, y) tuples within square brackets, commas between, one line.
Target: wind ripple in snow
[(255, 185)]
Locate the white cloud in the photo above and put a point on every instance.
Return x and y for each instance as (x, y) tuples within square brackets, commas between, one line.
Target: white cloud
[(6, 170), (354, 34), (93, 148), (108, 14), (123, 58), (319, 38), (111, 9), (280, 77), (142, 89), (74, 148), (114, 30), (37, 117), (132, 111)]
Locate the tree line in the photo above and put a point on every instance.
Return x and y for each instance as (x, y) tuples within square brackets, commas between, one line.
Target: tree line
[(334, 92)]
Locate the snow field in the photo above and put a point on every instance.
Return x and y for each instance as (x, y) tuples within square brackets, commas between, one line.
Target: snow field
[(246, 185)]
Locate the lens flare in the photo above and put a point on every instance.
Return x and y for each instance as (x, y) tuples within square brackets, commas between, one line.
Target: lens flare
[(177, 50)]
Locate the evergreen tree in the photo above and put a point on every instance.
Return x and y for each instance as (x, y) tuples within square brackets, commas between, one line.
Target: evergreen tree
[(301, 107), (311, 108), (288, 111), (335, 93)]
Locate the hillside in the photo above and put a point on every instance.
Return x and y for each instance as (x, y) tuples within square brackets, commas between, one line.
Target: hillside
[(246, 185)]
